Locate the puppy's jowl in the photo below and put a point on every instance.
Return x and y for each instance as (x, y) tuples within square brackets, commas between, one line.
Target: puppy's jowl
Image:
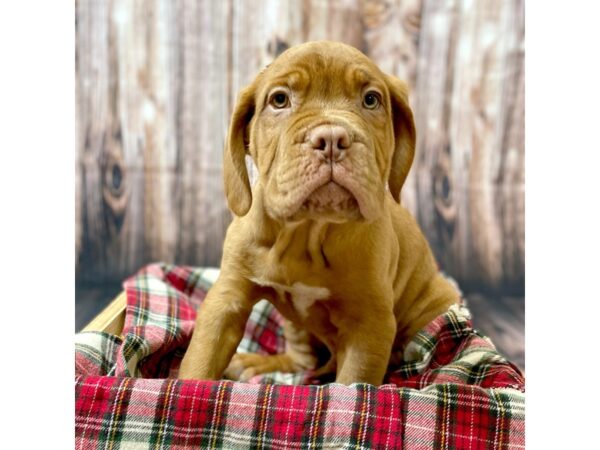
[(322, 234)]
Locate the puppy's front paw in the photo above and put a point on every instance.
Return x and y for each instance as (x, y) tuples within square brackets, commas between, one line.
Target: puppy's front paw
[(244, 366)]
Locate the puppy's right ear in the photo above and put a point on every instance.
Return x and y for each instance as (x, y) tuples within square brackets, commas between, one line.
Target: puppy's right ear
[(235, 174)]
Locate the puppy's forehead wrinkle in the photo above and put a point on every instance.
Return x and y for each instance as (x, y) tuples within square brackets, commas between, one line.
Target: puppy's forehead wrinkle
[(358, 77), (297, 79), (326, 70)]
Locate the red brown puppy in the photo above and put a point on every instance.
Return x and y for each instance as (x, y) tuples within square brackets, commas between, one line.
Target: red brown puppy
[(322, 234)]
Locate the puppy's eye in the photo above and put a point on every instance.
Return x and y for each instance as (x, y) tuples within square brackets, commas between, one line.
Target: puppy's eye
[(371, 100), (280, 100)]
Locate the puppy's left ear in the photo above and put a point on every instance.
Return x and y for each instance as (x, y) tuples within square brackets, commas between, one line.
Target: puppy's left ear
[(404, 135)]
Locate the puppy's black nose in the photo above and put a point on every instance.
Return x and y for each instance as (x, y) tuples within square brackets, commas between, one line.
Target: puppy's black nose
[(329, 141)]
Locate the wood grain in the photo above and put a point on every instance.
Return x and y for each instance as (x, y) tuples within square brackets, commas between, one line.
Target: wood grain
[(469, 168), (157, 81)]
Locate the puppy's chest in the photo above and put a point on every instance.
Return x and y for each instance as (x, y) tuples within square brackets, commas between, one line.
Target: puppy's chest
[(299, 296)]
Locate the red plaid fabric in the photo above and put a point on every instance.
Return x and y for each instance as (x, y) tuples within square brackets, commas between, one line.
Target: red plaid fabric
[(453, 389)]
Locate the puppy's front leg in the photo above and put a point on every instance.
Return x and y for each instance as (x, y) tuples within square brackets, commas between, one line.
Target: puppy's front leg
[(364, 348), (219, 328)]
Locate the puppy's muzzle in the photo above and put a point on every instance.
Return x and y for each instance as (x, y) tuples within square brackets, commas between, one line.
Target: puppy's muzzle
[(326, 197), (329, 142)]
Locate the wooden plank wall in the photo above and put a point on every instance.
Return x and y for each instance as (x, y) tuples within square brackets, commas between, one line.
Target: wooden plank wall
[(157, 80)]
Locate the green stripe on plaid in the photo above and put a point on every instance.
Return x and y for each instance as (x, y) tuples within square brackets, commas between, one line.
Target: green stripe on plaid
[(453, 389), (97, 352)]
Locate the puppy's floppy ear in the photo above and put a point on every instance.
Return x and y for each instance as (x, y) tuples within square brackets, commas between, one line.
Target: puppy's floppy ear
[(404, 135), (235, 174)]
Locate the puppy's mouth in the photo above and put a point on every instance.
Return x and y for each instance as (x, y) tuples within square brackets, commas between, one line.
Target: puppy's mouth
[(330, 196), (329, 201)]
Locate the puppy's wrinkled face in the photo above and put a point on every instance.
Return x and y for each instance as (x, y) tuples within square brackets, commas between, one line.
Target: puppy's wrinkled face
[(323, 125)]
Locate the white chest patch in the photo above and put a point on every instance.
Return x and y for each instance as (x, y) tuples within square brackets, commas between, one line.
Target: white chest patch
[(303, 296)]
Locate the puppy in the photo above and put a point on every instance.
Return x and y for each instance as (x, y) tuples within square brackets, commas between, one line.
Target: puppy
[(322, 234)]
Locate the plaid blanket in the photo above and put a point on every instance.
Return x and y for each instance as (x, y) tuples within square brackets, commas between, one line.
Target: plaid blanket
[(453, 389)]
